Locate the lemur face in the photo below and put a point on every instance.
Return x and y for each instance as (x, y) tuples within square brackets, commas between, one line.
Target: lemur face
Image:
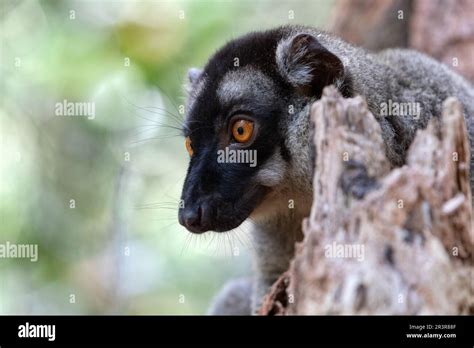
[(236, 121)]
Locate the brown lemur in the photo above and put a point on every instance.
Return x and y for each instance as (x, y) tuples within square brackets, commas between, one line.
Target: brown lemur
[(254, 94)]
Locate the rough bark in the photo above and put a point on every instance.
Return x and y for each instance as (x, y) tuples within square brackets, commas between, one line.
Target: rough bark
[(442, 29), (411, 227)]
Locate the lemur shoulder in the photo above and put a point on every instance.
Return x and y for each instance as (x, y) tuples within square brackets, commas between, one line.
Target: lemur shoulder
[(254, 94)]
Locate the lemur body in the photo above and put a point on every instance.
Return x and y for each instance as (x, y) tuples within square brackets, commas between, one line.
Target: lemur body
[(267, 81)]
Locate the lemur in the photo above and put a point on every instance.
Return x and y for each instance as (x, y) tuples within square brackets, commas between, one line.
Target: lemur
[(255, 94)]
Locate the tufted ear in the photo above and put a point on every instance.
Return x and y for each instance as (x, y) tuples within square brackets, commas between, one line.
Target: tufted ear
[(308, 65), (193, 75)]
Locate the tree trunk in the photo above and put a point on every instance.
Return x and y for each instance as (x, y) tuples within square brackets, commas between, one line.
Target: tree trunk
[(442, 29), (380, 241)]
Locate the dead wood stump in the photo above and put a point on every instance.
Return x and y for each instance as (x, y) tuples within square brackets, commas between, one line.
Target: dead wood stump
[(402, 247)]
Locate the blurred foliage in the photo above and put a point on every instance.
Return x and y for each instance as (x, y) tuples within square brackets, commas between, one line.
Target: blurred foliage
[(118, 248)]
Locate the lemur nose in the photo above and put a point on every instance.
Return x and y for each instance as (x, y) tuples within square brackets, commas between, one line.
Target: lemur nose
[(192, 219)]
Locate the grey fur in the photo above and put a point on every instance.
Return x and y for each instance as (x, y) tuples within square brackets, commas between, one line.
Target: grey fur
[(271, 173), (296, 74), (233, 299), (246, 83), (402, 76), (194, 85), (194, 74)]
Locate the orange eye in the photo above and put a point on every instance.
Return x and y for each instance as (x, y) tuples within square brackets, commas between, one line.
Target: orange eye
[(189, 148), (242, 130)]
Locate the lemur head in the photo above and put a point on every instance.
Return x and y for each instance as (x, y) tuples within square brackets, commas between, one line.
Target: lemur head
[(239, 108)]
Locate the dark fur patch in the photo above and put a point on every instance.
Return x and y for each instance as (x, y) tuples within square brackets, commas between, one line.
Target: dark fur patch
[(305, 58)]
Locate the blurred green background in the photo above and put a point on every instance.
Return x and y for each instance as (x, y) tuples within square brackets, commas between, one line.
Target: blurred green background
[(99, 196)]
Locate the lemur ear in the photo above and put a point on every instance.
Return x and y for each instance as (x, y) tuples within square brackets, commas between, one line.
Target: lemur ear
[(193, 75), (308, 65)]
